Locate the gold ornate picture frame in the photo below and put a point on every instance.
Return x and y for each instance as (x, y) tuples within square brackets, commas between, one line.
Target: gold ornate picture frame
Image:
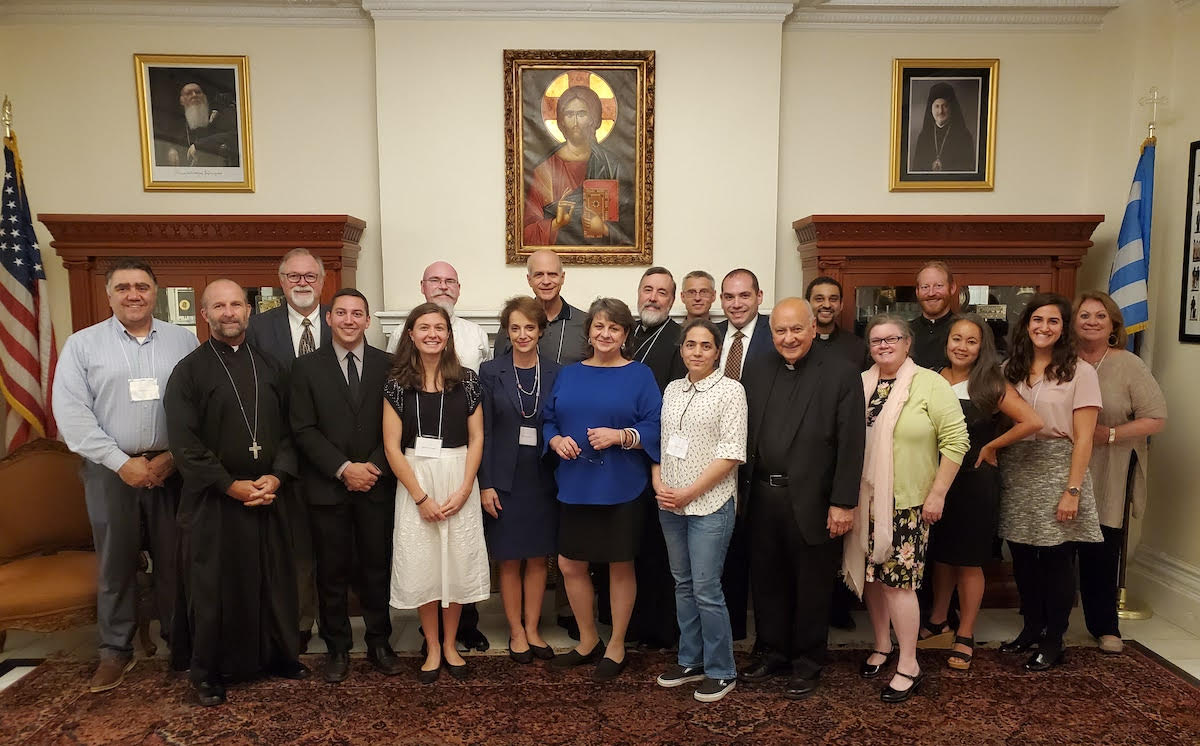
[(579, 155), (194, 117), (943, 124)]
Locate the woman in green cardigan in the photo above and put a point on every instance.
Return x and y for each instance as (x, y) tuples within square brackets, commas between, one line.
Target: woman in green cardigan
[(916, 439)]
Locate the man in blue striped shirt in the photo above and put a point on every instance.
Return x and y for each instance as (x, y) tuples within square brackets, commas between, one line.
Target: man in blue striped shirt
[(108, 404)]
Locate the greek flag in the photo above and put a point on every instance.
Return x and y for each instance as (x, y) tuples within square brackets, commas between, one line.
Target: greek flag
[(1131, 266)]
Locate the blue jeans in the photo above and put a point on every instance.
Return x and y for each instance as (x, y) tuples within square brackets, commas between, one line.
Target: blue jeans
[(696, 547)]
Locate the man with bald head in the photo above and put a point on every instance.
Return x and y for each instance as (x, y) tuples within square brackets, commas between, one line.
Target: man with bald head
[(226, 406), (565, 339), (440, 285), (805, 441)]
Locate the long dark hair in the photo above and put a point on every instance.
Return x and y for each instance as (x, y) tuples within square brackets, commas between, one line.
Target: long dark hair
[(407, 369), (985, 382), (1020, 347)]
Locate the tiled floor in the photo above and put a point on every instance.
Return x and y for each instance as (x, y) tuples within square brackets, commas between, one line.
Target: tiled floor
[(994, 626)]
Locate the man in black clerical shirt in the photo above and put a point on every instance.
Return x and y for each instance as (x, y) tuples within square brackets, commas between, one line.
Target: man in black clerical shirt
[(337, 395), (804, 449), (824, 294), (226, 406), (935, 289), (655, 342)]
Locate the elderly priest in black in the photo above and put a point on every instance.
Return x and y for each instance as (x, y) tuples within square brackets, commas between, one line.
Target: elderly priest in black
[(805, 440), (336, 415), (226, 405)]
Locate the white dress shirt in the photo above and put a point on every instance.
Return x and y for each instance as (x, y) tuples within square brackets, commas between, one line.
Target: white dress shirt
[(748, 331), (296, 322)]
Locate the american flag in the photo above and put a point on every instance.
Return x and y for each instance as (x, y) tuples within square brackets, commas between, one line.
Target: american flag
[(27, 350)]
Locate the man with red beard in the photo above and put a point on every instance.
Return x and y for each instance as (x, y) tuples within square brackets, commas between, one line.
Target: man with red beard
[(935, 288)]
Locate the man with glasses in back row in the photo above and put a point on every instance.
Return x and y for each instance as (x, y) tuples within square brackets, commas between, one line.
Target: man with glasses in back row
[(295, 328)]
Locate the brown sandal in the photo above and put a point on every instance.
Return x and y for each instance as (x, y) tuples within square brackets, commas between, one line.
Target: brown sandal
[(962, 661)]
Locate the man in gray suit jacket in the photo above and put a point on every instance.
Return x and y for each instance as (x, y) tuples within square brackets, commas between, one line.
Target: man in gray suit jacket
[(296, 328)]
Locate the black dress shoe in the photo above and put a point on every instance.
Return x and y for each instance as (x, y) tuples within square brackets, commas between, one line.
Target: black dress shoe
[(895, 696), (473, 639), (1044, 660), (209, 693), (459, 672), (570, 625), (799, 687), (428, 677), (1022, 644), (542, 652), (871, 670), (384, 660), (305, 638), (764, 670), (608, 669), (294, 670), (336, 668), (523, 657), (574, 658)]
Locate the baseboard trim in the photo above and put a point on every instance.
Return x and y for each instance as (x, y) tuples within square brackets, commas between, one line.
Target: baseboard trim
[(1168, 584)]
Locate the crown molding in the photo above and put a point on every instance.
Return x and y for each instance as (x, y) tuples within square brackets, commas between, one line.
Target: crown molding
[(961, 15), (231, 12), (592, 10)]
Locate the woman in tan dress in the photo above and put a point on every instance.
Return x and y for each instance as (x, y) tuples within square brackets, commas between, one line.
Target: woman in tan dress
[(1134, 408)]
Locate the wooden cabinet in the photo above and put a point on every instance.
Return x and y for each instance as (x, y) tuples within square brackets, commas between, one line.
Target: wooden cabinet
[(189, 251)]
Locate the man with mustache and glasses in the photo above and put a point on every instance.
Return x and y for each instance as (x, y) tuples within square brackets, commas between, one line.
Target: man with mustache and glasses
[(297, 328)]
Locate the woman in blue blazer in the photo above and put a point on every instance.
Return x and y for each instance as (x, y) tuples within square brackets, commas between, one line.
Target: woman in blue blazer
[(516, 481)]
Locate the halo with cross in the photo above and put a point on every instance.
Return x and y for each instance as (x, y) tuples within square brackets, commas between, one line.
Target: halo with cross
[(587, 79)]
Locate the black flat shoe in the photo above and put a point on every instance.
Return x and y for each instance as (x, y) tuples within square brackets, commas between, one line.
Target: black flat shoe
[(1044, 660), (799, 687), (608, 669), (542, 652), (870, 671), (764, 670), (294, 670), (523, 657), (459, 672), (895, 696), (575, 658), (428, 677), (209, 694), (336, 668), (385, 660), (1023, 643)]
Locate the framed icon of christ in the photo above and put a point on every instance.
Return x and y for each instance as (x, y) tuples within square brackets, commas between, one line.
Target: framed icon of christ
[(579, 155)]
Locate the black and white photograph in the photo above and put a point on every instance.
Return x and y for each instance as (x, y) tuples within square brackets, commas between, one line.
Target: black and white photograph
[(1189, 323)]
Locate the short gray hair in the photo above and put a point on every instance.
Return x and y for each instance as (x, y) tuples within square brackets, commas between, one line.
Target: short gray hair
[(301, 251), (880, 319)]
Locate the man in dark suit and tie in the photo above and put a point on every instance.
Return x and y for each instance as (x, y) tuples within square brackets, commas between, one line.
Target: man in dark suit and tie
[(804, 452), (296, 328), (336, 416), (747, 343)]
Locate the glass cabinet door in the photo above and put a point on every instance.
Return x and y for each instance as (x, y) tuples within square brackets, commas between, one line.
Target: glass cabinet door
[(1000, 305)]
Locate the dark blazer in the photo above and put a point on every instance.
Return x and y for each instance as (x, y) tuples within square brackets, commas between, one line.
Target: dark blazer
[(271, 333), (827, 435), (502, 419), (330, 429), (761, 347)]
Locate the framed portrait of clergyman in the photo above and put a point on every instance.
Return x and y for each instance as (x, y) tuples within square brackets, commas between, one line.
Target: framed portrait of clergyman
[(943, 124), (194, 117), (579, 155)]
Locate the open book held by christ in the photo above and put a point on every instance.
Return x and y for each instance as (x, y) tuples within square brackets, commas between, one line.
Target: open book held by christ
[(600, 196)]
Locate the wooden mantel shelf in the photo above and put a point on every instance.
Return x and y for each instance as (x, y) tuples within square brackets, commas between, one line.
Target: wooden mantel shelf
[(947, 231), (192, 250)]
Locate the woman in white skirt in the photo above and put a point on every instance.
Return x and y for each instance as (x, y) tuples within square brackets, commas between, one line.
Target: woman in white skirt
[(433, 437)]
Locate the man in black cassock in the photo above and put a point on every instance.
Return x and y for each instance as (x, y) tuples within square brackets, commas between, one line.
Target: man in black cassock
[(226, 407), (655, 342)]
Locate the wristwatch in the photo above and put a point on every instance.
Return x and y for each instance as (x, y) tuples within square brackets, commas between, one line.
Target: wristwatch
[(1112, 434), (1073, 491)]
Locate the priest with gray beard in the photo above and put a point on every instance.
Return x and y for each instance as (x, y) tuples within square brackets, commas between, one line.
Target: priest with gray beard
[(655, 340), (208, 136)]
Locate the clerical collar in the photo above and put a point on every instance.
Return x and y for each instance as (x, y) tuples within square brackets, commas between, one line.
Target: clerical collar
[(828, 337), (943, 319), (704, 384), (340, 351), (223, 346), (799, 364)]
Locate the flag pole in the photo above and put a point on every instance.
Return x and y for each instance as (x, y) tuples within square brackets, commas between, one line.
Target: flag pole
[(6, 115)]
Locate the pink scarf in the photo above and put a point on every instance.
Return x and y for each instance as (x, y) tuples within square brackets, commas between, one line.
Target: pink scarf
[(875, 492)]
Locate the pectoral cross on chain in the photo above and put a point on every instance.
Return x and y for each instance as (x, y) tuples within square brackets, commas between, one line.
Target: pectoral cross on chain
[(254, 449)]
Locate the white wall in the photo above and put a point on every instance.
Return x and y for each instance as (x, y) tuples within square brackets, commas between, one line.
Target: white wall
[(312, 104), (441, 150)]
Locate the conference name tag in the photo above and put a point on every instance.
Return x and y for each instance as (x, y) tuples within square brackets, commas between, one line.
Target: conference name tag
[(429, 447), (528, 436), (677, 446), (143, 389)]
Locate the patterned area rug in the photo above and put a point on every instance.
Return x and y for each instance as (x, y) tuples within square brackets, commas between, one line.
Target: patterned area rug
[(1093, 699)]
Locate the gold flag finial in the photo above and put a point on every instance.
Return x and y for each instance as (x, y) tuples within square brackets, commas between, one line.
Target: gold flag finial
[(6, 116)]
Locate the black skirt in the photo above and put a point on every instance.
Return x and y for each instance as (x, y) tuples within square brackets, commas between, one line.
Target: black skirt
[(600, 533)]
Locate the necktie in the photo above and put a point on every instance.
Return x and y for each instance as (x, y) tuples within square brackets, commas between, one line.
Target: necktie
[(352, 376), (307, 344), (733, 363)]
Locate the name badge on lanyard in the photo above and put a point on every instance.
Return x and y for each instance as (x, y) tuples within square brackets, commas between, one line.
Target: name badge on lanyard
[(143, 389), (429, 447), (528, 436), (677, 446)]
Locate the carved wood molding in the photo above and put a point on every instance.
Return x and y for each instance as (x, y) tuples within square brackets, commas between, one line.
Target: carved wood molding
[(962, 232), (149, 231)]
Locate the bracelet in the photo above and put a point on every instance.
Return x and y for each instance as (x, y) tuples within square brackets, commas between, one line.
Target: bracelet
[(423, 499), (1112, 435)]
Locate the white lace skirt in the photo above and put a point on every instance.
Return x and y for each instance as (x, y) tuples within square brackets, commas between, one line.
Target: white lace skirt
[(443, 561)]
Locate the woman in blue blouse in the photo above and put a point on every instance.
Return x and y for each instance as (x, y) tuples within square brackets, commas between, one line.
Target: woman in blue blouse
[(602, 419)]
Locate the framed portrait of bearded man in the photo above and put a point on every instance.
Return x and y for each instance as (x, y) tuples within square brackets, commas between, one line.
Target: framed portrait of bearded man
[(194, 117), (579, 155), (944, 124)]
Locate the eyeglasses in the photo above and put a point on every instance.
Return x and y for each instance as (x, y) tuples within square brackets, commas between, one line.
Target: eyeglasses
[(447, 281), (889, 341), (295, 277), (698, 293)]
